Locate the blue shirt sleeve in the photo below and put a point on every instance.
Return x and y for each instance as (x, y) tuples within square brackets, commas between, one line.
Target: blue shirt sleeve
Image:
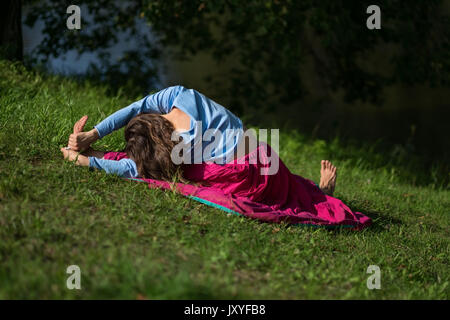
[(125, 167), (160, 102)]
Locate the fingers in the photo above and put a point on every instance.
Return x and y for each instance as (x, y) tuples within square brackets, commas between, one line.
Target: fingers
[(73, 138), (73, 143), (73, 147)]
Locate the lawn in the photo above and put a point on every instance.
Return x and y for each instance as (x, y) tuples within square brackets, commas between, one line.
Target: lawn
[(132, 242)]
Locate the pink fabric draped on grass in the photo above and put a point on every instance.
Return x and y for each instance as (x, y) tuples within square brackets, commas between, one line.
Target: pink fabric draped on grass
[(240, 187)]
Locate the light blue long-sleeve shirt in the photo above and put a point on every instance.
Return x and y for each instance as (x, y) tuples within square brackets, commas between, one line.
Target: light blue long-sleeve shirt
[(214, 131)]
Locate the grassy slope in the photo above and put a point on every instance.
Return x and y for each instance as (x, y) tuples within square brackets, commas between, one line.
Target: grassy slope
[(133, 242)]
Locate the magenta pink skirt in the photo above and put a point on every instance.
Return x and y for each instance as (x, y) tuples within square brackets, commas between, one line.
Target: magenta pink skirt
[(239, 187)]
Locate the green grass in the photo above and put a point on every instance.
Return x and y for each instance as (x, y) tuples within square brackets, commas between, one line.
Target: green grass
[(132, 242)]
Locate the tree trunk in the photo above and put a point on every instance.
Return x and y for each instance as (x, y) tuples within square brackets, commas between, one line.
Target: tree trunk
[(11, 46)]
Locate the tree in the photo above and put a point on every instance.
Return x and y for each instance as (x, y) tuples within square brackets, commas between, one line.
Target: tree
[(11, 29), (102, 20), (272, 41)]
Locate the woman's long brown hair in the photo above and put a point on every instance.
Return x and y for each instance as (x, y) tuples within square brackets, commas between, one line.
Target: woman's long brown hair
[(149, 145)]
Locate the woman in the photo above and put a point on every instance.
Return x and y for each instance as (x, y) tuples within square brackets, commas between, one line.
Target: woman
[(223, 166)]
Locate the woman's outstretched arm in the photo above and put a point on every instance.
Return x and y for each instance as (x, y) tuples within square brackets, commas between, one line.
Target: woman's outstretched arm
[(71, 155), (160, 102), (92, 158), (124, 167)]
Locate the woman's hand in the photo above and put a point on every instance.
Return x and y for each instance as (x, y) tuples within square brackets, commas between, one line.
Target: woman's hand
[(79, 140), (82, 140), (71, 155)]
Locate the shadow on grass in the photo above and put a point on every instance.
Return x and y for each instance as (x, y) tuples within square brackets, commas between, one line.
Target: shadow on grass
[(381, 221), (401, 161)]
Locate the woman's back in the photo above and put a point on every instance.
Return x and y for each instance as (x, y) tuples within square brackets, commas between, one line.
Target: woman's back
[(214, 135)]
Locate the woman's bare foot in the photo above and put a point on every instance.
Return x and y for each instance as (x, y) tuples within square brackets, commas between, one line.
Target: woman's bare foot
[(327, 177), (79, 125)]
